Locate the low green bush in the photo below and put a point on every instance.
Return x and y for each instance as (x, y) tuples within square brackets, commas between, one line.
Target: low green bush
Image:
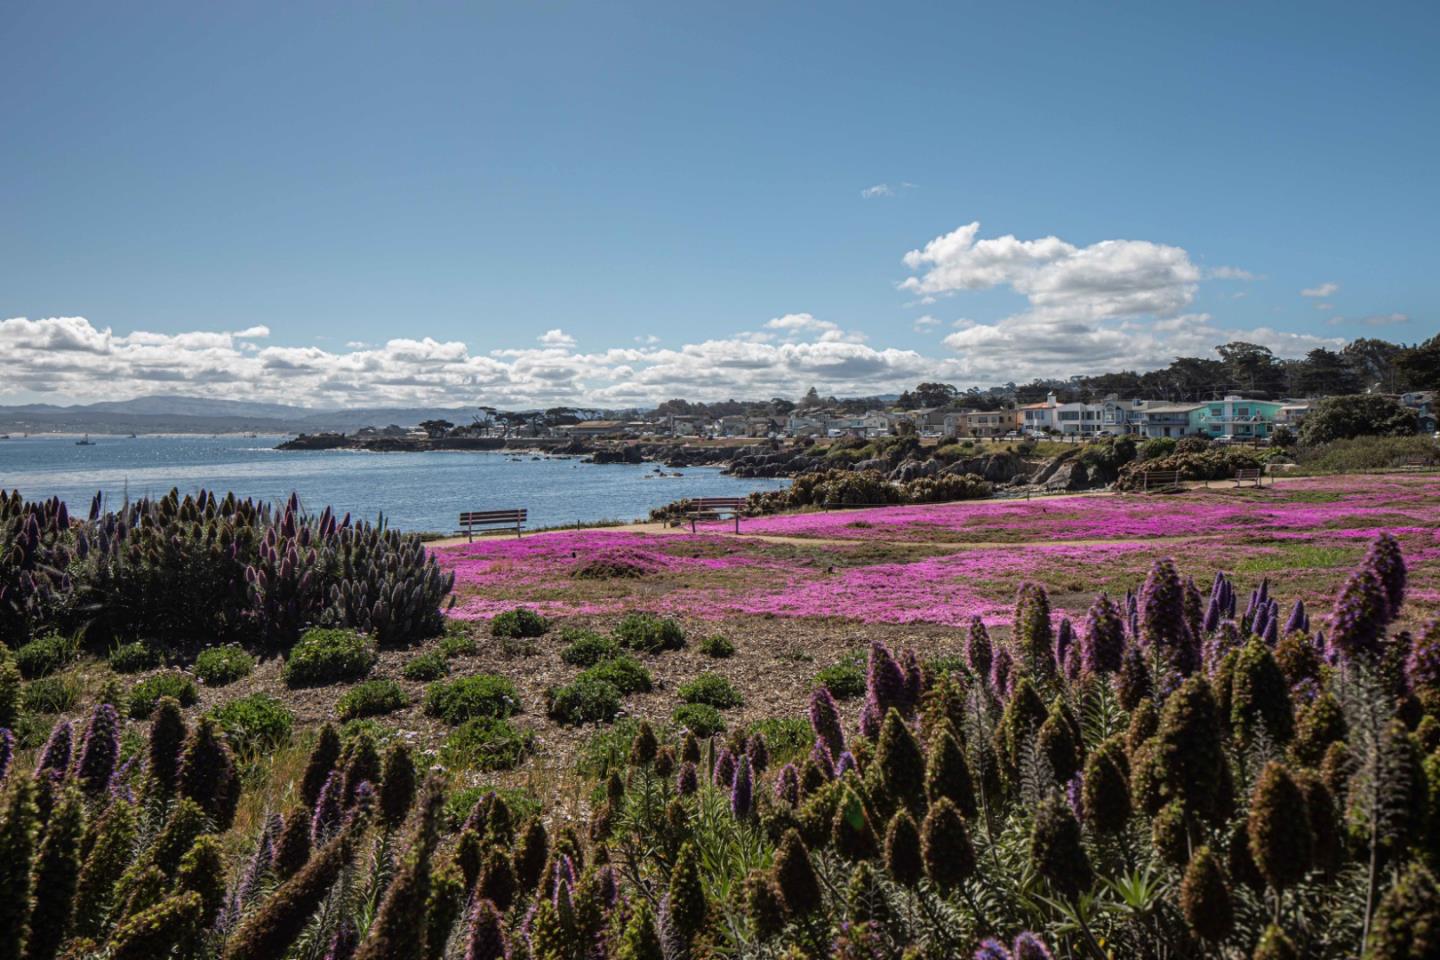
[(648, 633), (466, 698), (45, 655), (371, 699), (588, 700), (328, 656), (457, 643), (255, 724), (1360, 454), (845, 680), (485, 743), (608, 748), (523, 803), (58, 693), (172, 683), (700, 719), (626, 674), (712, 689), (587, 649), (717, 646), (426, 667), (134, 657), (787, 738), (217, 666), (520, 622)]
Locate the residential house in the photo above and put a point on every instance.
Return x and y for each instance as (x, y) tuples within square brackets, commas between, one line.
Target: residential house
[(987, 423), (595, 428), (802, 426), (1170, 419), (1423, 403), (1239, 418)]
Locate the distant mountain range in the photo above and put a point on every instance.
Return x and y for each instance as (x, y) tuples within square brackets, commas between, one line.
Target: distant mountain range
[(174, 414)]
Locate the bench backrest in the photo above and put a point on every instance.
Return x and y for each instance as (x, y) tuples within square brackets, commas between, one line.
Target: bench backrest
[(1162, 476), (716, 503), (477, 518), (1247, 473)]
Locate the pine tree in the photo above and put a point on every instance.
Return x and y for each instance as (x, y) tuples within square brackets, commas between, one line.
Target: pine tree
[(323, 758), (56, 869), (945, 846), (1205, 897), (109, 855), (156, 931), (1055, 849), (1279, 828), (167, 739), (208, 775), (398, 931), (795, 876), (397, 788)]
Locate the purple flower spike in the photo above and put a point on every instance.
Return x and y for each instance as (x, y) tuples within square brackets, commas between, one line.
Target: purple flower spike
[(741, 791), (1029, 947), (787, 785), (825, 721), (992, 950), (687, 781), (978, 651), (7, 752), (845, 764), (56, 754), (724, 773), (326, 816), (1103, 647), (1360, 616)]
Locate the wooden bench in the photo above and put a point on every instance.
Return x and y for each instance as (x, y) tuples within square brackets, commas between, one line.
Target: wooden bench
[(1252, 475), (1159, 478), (714, 508), (1416, 463), (491, 518)]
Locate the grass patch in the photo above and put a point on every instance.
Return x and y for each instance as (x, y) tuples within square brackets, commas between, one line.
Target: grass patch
[(134, 657), (700, 719), (53, 694), (485, 743), (483, 695), (371, 699), (717, 647), (1300, 556), (625, 674), (45, 655), (328, 656), (172, 683), (522, 803), (255, 724), (457, 643), (609, 748), (218, 666), (711, 689), (787, 738), (845, 680)]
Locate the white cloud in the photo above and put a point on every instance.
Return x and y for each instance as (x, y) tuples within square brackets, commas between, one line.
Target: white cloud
[(647, 338), (1385, 319), (1323, 290), (556, 338), (877, 191), (1324, 306), (1230, 273), (925, 323)]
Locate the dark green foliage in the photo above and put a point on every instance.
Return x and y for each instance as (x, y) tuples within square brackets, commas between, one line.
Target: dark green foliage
[(1106, 788), (649, 634), (1407, 923), (208, 775), (485, 744), (186, 823), (1170, 834), (99, 751), (717, 647), (588, 700), (426, 667), (947, 774), (202, 871), (51, 695), (167, 739), (795, 877), (586, 649), (274, 926), (1326, 832), (146, 694), (45, 655), (1033, 632), (1205, 897), (1023, 716), (156, 931), (1320, 724), (1279, 828), (134, 657), (1259, 697), (701, 719), (713, 689), (899, 765), (497, 882), (1275, 945), (362, 764), (447, 901), (639, 940), (57, 869), (945, 846), (1188, 750), (845, 680), (1133, 683), (625, 674), (323, 758), (292, 847), (399, 929), (904, 860), (480, 695), (1357, 415), (325, 656), (10, 686), (532, 850), (397, 786), (218, 666), (18, 822), (1055, 849), (1058, 745), (255, 725), (688, 908), (1144, 724), (109, 856), (372, 698), (763, 905), (518, 623), (457, 641), (851, 832)]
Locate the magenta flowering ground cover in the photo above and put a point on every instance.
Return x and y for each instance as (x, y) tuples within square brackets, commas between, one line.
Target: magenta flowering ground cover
[(942, 564)]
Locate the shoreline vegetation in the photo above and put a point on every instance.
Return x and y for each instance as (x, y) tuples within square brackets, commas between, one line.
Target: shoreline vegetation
[(991, 728)]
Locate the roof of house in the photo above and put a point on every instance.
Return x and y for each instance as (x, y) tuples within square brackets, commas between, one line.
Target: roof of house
[(1173, 407)]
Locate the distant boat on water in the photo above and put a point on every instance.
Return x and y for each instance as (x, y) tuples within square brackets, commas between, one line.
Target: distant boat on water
[(87, 442)]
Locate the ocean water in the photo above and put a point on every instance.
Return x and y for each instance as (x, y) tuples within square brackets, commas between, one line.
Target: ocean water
[(414, 491)]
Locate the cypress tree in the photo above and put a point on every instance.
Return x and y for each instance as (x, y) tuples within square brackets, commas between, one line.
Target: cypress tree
[(947, 774), (272, 928), (398, 930), (56, 870), (763, 905), (1279, 828), (1055, 849), (156, 931), (795, 876), (109, 856), (900, 764), (945, 846), (486, 939), (208, 775), (397, 788), (686, 895), (323, 758), (1259, 697), (903, 858), (1105, 788), (1407, 922), (1275, 945), (531, 852), (1205, 897), (851, 833), (167, 739)]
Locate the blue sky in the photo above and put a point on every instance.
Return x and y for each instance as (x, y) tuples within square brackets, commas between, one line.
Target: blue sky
[(260, 199)]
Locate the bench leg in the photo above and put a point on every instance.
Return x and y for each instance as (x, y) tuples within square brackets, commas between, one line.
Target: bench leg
[(737, 523), (469, 534)]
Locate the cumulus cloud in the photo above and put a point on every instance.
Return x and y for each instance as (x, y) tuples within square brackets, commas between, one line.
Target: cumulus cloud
[(877, 191), (556, 338), (1323, 290), (1230, 273), (926, 323)]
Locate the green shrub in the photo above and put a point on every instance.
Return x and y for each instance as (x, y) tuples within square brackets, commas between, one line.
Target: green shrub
[(712, 689), (54, 694), (457, 643), (845, 680), (172, 683), (45, 655), (625, 674), (587, 649), (381, 733), (523, 803), (1156, 448), (217, 666), (1360, 454), (587, 700), (608, 748), (649, 634), (255, 724), (787, 738), (520, 622), (134, 657), (700, 719), (426, 667), (466, 698), (485, 743), (328, 656), (717, 646), (371, 699)]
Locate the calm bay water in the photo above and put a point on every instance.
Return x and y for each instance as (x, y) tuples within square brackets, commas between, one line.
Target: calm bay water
[(415, 491)]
